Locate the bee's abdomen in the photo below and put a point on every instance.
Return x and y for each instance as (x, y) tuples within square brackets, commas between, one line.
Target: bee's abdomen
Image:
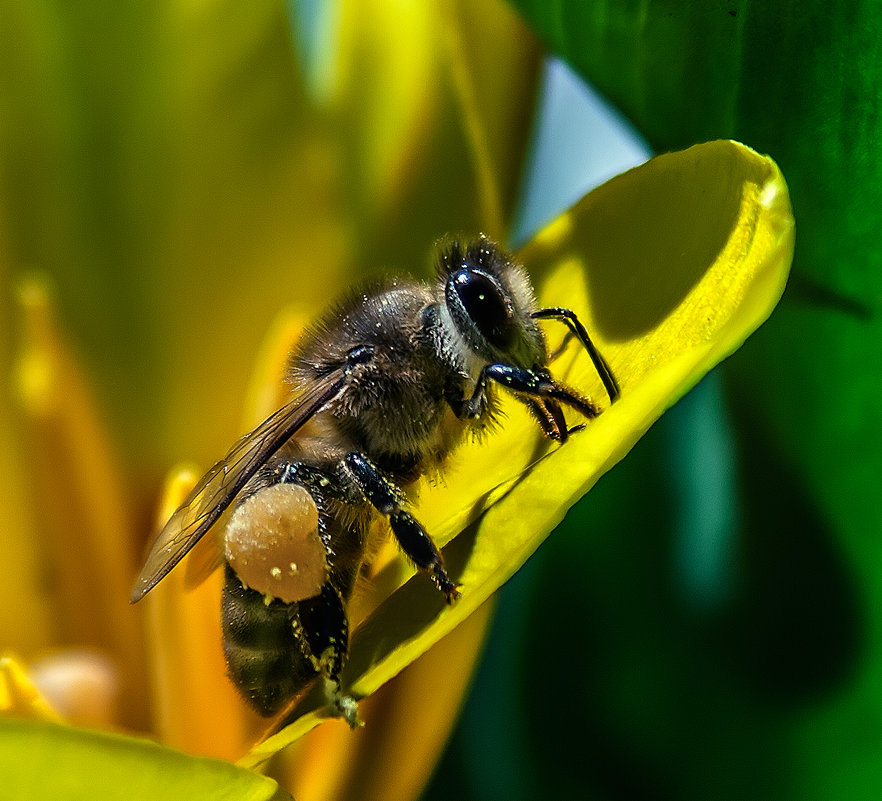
[(263, 656)]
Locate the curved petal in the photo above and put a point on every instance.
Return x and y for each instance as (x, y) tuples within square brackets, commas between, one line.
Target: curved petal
[(691, 251)]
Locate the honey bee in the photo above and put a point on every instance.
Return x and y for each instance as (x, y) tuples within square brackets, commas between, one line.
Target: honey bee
[(384, 385)]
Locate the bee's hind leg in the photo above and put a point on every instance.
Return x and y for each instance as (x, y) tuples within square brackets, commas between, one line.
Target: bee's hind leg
[(414, 540), (324, 627)]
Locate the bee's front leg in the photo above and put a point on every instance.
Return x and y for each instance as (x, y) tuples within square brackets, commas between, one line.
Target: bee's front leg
[(538, 385), (414, 540)]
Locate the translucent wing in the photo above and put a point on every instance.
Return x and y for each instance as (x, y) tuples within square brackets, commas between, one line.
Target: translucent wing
[(220, 485)]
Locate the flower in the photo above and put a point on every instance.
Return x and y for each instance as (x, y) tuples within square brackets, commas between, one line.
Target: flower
[(707, 263)]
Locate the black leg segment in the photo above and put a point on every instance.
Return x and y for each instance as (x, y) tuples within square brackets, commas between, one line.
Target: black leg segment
[(412, 537), (536, 384), (325, 630), (569, 318)]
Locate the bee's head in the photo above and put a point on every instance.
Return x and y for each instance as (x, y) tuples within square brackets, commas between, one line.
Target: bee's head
[(490, 302)]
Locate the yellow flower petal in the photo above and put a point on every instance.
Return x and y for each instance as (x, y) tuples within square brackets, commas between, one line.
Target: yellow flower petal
[(79, 499), (680, 260), (430, 131), (24, 586), (19, 697), (495, 84), (393, 97), (387, 93), (269, 389)]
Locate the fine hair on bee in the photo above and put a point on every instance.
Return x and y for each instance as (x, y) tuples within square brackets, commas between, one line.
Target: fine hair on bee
[(384, 385)]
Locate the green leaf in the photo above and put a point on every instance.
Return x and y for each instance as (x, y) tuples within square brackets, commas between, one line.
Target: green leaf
[(43, 760), (795, 79), (705, 237)]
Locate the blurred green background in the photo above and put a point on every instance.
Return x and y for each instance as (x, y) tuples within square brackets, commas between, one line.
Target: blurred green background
[(706, 624)]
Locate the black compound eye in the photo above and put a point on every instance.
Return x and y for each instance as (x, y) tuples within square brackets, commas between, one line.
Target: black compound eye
[(485, 305)]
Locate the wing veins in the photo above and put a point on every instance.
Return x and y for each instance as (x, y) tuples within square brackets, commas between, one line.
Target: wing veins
[(242, 461)]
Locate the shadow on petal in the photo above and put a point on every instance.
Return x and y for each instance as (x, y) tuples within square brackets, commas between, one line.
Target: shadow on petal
[(648, 236)]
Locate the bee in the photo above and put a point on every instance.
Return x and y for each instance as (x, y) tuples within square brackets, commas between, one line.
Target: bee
[(384, 386)]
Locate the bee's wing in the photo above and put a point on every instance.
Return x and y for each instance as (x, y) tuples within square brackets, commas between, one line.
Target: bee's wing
[(220, 485)]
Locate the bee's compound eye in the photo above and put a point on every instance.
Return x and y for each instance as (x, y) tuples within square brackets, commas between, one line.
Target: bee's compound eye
[(273, 545), (484, 302)]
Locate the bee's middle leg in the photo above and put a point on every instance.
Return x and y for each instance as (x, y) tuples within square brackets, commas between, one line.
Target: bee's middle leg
[(414, 540)]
